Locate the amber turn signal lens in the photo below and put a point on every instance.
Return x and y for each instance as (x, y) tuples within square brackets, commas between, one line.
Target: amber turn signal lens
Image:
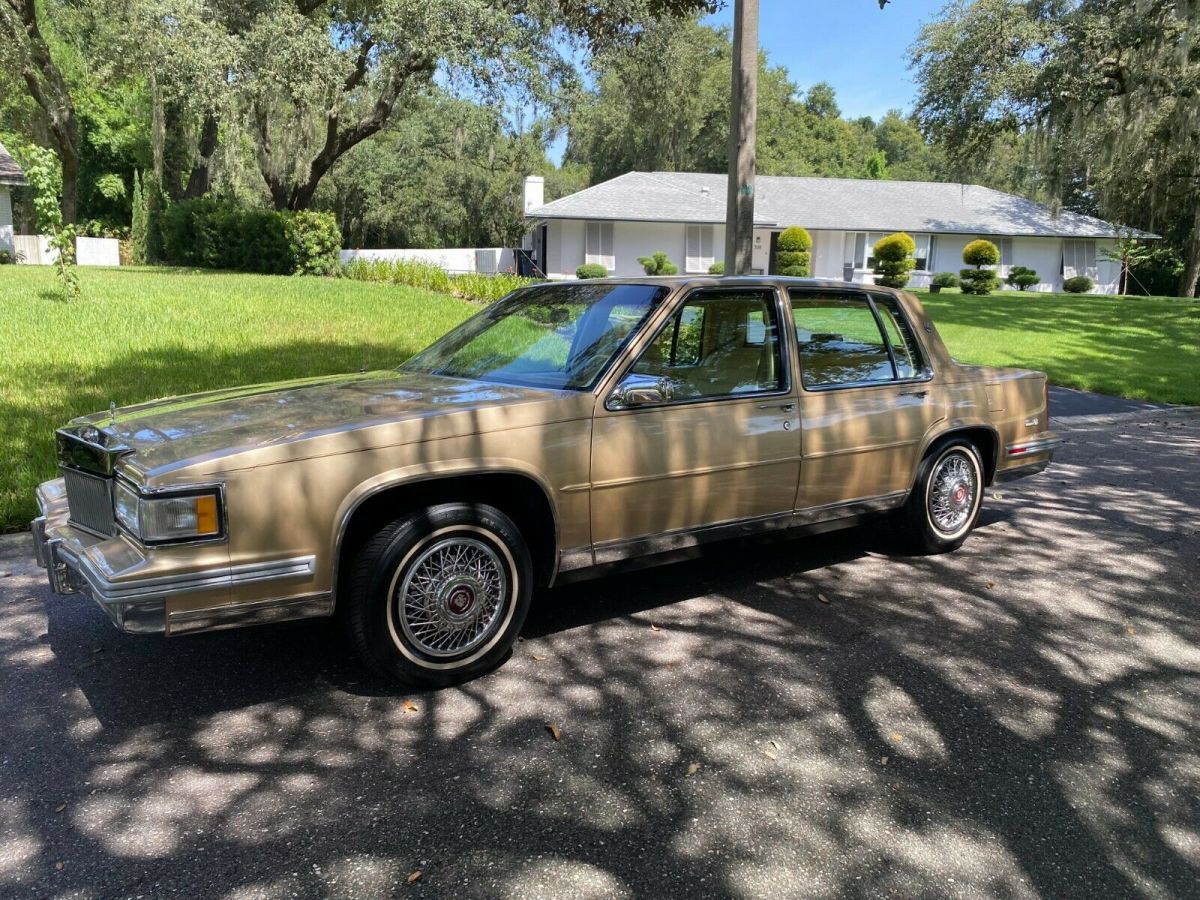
[(206, 515)]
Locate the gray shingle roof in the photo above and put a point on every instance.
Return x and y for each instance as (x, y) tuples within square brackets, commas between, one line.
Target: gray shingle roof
[(10, 172), (826, 203)]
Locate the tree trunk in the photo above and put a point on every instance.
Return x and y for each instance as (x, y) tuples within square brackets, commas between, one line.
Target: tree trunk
[(70, 184), (200, 178), (1191, 274)]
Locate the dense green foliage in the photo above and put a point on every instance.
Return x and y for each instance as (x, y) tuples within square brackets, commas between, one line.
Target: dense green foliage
[(1022, 277), (1079, 284), (717, 268), (591, 270), (981, 253), (217, 234), (980, 280), (793, 253), (1094, 104), (894, 259), (944, 280), (657, 263), (662, 104)]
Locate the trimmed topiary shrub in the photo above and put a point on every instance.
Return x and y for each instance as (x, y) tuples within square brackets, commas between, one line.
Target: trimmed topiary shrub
[(591, 270), (793, 256), (658, 264), (1022, 277), (979, 280), (894, 259), (943, 280), (717, 268), (1080, 284)]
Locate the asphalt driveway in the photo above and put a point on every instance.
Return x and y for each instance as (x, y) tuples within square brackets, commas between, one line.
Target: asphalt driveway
[(822, 717)]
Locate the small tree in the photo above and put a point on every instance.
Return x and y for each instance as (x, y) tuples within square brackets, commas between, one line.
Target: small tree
[(1022, 277), (894, 259), (139, 229), (980, 280), (658, 264), (1129, 253), (793, 257), (45, 177)]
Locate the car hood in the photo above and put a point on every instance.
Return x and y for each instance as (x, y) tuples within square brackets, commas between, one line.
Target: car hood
[(333, 414)]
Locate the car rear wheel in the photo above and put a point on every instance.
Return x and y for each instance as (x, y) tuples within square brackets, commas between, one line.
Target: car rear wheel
[(439, 596), (946, 498)]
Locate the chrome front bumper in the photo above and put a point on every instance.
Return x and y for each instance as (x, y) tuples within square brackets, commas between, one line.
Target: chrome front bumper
[(134, 610)]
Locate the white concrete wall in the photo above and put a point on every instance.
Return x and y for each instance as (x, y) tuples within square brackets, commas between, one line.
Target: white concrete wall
[(97, 251), (35, 250), (488, 260), (6, 226)]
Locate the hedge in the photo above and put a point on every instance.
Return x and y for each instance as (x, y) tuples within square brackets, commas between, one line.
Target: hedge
[(591, 270), (219, 234), (1080, 284)]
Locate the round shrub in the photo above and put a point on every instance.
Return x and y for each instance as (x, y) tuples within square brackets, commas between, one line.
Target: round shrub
[(717, 268), (793, 255), (1022, 277), (894, 259), (591, 270), (944, 280), (658, 264), (981, 253), (1080, 284)]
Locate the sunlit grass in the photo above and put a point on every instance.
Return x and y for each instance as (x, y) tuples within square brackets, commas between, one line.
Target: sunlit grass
[(141, 334), (1146, 348)]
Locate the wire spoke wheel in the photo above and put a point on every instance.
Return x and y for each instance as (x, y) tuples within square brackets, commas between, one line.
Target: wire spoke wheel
[(953, 489), (452, 597)]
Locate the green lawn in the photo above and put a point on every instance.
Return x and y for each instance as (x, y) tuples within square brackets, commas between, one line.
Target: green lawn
[(140, 334), (1147, 348)]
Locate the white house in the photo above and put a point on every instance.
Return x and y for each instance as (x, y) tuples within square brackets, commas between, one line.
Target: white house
[(683, 214), (10, 177)]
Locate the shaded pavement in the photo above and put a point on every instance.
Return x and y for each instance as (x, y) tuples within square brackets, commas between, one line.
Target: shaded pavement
[(1016, 719)]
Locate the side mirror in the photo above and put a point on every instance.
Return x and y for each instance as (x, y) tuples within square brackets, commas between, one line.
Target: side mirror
[(641, 390)]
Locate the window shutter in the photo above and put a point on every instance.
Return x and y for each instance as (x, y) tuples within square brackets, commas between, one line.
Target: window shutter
[(692, 262)]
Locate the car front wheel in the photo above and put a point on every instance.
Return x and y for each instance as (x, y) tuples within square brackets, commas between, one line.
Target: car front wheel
[(439, 596), (946, 498)]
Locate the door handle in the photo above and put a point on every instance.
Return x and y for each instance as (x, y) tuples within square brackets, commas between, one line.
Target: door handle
[(786, 407), (921, 394)]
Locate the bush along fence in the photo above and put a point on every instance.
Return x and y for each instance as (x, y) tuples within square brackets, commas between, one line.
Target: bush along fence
[(217, 234), (478, 287)]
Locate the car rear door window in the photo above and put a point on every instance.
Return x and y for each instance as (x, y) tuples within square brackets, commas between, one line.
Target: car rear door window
[(840, 341)]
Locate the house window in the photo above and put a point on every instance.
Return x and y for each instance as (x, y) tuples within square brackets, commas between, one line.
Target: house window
[(860, 247), (699, 252), (598, 245), (1079, 258)]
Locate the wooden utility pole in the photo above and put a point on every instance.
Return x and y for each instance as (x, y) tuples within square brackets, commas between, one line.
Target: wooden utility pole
[(743, 119)]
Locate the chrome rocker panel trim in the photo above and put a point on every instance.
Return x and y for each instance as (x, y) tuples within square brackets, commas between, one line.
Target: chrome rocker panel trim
[(255, 612)]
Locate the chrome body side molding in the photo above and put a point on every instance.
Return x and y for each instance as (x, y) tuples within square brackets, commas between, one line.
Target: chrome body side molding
[(257, 612)]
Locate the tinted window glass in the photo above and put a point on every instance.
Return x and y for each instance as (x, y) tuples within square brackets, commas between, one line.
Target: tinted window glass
[(720, 343), (909, 363), (840, 341), (558, 336)]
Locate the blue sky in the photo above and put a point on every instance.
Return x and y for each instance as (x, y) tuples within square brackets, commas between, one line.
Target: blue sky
[(854, 45), (859, 49)]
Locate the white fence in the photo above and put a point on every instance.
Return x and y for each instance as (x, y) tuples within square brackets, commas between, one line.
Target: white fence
[(35, 250), (488, 260)]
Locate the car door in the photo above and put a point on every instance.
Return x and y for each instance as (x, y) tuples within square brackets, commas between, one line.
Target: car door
[(700, 430), (867, 400)]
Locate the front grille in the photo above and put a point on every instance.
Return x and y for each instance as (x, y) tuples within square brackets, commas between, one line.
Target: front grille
[(89, 498)]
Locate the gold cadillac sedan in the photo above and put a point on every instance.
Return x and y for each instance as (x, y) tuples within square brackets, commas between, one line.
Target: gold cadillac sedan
[(570, 429)]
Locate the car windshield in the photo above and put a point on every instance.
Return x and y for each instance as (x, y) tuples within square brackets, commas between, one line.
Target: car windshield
[(556, 336)]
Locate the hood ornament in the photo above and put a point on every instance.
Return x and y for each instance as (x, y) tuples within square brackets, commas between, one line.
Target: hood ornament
[(112, 412)]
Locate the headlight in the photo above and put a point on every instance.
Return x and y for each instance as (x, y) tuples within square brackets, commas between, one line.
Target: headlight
[(163, 518)]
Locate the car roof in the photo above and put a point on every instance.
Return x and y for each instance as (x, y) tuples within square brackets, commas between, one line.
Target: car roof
[(677, 281)]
